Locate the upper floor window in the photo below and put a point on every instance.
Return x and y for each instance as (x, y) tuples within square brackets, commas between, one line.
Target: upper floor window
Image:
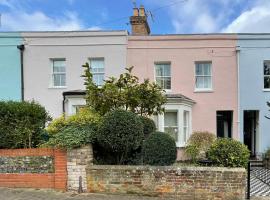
[(266, 74), (59, 73), (97, 69), (163, 75), (203, 76)]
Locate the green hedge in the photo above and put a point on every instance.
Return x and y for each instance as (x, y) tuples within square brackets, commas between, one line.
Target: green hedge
[(225, 152), (159, 149), (22, 124), (73, 136)]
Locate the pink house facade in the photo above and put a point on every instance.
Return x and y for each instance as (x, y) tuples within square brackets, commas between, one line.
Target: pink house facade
[(199, 74)]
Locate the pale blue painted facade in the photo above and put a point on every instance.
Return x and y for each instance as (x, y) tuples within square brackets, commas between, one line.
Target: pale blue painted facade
[(254, 49), (10, 66)]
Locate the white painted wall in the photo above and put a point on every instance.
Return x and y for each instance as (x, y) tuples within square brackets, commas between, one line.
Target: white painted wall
[(76, 48)]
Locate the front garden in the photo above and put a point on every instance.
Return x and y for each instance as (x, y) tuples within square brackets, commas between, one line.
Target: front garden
[(117, 122)]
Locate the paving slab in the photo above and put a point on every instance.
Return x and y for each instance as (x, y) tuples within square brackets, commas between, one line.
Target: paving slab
[(35, 194)]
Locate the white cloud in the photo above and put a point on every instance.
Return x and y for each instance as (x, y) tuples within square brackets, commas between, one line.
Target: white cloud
[(94, 28), (208, 16), (71, 1), (6, 3), (254, 20), (193, 16), (16, 18), (38, 21)]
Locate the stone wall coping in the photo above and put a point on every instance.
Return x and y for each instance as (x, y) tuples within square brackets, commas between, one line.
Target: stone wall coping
[(164, 168)]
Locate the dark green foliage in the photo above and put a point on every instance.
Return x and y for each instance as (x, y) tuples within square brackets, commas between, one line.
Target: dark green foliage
[(149, 126), (125, 92), (22, 124), (225, 152), (73, 136), (267, 153), (192, 152), (120, 133), (159, 149)]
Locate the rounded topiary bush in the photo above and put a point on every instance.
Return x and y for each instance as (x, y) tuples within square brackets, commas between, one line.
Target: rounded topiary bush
[(159, 149), (198, 144), (120, 132), (225, 152), (149, 126)]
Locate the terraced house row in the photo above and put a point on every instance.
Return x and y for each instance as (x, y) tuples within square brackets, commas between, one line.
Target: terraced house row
[(214, 82)]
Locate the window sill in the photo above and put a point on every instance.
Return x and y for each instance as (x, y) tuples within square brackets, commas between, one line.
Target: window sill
[(203, 91), (57, 87), (266, 90), (168, 91), (181, 145)]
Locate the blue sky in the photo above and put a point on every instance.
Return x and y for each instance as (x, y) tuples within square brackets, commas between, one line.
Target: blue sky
[(176, 16)]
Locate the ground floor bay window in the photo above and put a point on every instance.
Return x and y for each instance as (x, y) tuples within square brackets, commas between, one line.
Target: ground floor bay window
[(177, 119)]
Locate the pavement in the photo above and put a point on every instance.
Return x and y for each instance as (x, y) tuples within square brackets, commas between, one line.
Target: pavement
[(35, 194)]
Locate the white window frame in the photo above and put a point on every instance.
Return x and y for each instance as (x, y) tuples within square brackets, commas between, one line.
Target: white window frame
[(177, 121), (186, 126), (98, 73), (72, 102), (203, 76), (180, 108), (265, 89), (52, 60), (163, 63)]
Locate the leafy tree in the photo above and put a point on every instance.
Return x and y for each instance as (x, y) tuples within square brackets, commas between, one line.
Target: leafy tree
[(126, 92)]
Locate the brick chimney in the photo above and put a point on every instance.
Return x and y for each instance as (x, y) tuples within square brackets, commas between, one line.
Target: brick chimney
[(139, 22)]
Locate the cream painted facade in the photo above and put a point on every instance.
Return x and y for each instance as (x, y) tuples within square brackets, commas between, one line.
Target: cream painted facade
[(74, 49)]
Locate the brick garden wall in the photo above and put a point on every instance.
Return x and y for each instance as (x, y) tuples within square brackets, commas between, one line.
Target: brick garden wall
[(33, 168), (185, 183)]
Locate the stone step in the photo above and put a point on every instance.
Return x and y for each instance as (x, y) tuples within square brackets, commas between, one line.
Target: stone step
[(256, 163)]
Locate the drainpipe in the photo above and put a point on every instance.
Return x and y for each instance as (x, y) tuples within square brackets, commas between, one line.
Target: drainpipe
[(21, 48), (63, 103), (238, 93)]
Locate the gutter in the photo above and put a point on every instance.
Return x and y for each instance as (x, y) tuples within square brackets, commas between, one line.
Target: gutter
[(21, 48), (238, 92)]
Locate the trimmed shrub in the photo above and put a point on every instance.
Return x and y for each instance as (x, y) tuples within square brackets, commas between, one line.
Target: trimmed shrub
[(73, 136), (159, 149), (192, 152), (149, 126), (120, 132), (267, 153), (22, 124), (83, 117), (198, 144), (225, 152)]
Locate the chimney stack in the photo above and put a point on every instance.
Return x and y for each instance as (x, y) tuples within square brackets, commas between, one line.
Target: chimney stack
[(139, 22)]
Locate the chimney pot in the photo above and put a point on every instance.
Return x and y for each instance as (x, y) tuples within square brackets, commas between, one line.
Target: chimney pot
[(142, 11), (135, 12), (139, 22)]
